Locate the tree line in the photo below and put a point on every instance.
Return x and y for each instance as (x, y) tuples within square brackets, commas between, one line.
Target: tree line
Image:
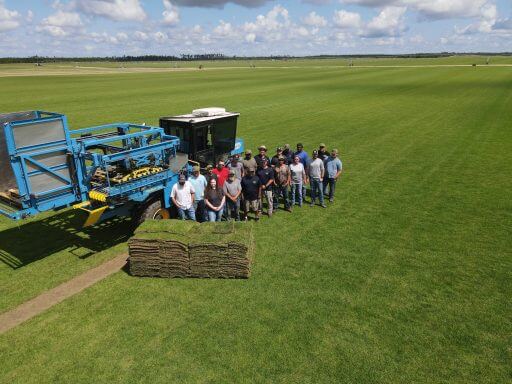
[(219, 57)]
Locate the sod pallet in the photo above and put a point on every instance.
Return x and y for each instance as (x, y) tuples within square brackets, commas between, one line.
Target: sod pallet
[(175, 248)]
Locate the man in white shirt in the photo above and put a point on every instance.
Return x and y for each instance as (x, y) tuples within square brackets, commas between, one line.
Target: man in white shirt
[(182, 195)]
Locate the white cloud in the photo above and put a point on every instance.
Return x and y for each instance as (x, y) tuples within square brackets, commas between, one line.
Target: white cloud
[(171, 14), (430, 9), (160, 37), (117, 10), (223, 29), (8, 19), (314, 20), (61, 24), (250, 37), (140, 36), (343, 19), (444, 9), (389, 22)]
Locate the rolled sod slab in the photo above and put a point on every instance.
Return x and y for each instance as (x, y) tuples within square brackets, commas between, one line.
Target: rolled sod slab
[(180, 249)]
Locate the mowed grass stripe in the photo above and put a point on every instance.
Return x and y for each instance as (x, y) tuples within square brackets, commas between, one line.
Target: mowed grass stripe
[(404, 279)]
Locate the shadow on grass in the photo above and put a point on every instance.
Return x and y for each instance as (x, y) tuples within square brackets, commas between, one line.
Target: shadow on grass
[(20, 246)]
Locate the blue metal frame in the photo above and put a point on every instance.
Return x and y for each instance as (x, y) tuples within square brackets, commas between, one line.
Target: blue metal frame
[(139, 146)]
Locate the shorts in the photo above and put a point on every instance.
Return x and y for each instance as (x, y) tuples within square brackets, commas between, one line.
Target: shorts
[(252, 205)]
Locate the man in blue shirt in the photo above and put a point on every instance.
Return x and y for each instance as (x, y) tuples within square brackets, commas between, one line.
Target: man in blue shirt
[(199, 183), (333, 168), (304, 159)]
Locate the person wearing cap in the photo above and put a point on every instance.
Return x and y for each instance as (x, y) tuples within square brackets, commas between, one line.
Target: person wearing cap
[(236, 166), (304, 159), (251, 191), (266, 175), (298, 178), (334, 168), (288, 154), (214, 200), (210, 174), (303, 156), (222, 173), (316, 172), (248, 161), (323, 153), (199, 183), (262, 155), (232, 190), (282, 181), (274, 162), (182, 196)]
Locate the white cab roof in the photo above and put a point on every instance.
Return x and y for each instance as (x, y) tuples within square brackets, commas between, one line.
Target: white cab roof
[(203, 114)]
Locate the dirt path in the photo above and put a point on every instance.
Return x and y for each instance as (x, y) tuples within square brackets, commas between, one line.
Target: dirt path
[(55, 295), (90, 70)]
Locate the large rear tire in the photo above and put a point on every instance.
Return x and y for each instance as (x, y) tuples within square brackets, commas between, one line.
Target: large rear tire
[(151, 211)]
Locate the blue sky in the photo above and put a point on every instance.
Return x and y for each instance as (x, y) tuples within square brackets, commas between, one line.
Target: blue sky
[(252, 27)]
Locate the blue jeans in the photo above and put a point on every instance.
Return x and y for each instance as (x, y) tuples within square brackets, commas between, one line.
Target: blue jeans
[(331, 182), (317, 189), (215, 215), (281, 191), (183, 213), (297, 192)]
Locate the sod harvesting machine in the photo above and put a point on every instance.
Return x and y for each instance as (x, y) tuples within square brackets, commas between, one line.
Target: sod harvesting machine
[(119, 169)]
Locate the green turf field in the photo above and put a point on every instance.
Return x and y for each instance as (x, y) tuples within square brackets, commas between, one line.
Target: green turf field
[(406, 278)]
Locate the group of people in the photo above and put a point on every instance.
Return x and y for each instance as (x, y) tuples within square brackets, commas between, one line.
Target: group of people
[(243, 184)]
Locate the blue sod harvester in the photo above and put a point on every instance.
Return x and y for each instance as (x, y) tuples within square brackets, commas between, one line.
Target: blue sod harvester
[(111, 170)]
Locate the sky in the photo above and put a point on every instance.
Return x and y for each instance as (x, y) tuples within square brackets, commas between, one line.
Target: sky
[(73, 28)]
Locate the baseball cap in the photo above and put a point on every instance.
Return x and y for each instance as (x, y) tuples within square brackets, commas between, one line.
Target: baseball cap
[(335, 151), (315, 152), (279, 149), (281, 158), (299, 145), (322, 145), (262, 147), (196, 169), (248, 152), (287, 146), (209, 166)]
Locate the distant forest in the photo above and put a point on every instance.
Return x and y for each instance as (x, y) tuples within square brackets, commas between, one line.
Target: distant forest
[(219, 57)]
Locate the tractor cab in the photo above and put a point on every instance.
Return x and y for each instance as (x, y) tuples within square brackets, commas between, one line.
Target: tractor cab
[(206, 135)]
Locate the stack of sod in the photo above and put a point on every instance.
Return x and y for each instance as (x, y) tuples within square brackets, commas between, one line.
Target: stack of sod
[(173, 248)]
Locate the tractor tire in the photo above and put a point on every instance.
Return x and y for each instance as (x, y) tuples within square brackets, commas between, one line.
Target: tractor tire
[(150, 211)]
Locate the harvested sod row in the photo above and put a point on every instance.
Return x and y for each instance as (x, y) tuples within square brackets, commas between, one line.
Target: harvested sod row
[(175, 248)]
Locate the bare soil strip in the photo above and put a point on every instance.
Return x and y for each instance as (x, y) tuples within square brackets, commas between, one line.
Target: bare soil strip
[(70, 71), (48, 299)]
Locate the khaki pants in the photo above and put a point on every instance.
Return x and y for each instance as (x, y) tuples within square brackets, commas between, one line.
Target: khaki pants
[(270, 200)]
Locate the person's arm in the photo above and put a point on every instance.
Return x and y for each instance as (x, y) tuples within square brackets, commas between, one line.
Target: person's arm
[(192, 192), (235, 198), (221, 203), (304, 176), (173, 198), (208, 204), (340, 170), (322, 171), (289, 179), (270, 181)]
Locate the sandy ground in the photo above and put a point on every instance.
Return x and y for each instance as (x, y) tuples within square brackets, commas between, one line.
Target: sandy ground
[(48, 299), (91, 70)]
